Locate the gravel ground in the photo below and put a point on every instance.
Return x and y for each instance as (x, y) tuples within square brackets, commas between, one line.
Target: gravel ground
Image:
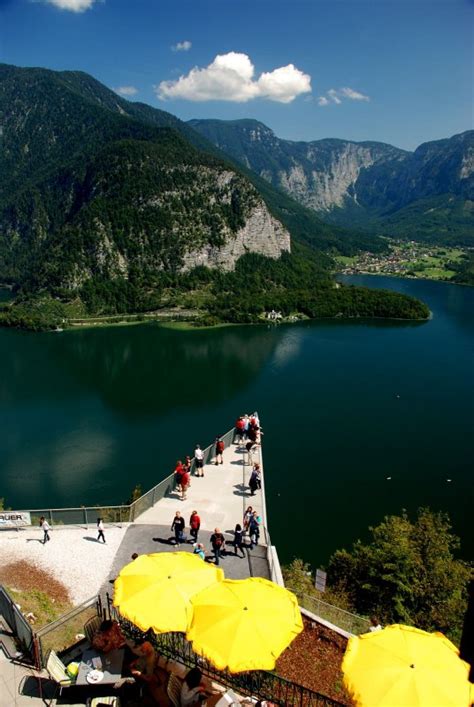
[(73, 556)]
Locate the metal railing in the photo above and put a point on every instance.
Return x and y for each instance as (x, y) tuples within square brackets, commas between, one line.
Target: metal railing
[(165, 487), (83, 516), (67, 629), (19, 626), (352, 623), (257, 684)]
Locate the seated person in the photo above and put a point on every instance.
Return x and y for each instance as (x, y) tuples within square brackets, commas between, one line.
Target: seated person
[(193, 691), (144, 665), (108, 637)]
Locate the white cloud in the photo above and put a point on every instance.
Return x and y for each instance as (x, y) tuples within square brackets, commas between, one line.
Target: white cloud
[(126, 90), (332, 93), (230, 77), (354, 95), (72, 5), (338, 95), (182, 46)]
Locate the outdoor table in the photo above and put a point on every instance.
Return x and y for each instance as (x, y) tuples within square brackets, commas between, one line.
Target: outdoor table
[(111, 666)]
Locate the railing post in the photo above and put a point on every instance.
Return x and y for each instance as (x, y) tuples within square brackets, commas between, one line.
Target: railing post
[(85, 518), (50, 512)]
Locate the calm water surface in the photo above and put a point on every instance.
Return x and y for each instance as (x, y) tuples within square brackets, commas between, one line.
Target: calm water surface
[(86, 415)]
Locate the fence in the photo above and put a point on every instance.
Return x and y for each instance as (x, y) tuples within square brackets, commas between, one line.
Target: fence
[(19, 626), (87, 515), (258, 684), (67, 629), (163, 488), (339, 617)]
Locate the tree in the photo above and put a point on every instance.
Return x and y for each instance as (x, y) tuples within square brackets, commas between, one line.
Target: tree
[(407, 574)]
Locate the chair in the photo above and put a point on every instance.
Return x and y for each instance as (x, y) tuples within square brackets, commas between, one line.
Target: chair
[(173, 689), (110, 701), (91, 627), (57, 672)]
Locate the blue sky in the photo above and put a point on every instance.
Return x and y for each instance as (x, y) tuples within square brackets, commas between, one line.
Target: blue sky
[(398, 71)]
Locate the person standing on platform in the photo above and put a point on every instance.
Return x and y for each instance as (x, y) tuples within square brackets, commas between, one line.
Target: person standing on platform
[(46, 528), (239, 430), (219, 450), (100, 529), (247, 515), (199, 457), (178, 472), (217, 542), (185, 483), (255, 481), (194, 525), (178, 527), (239, 540), (199, 550), (254, 529)]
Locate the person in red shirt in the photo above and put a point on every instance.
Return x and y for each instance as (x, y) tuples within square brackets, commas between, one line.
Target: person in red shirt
[(185, 483), (194, 525), (239, 430), (178, 472), (219, 449)]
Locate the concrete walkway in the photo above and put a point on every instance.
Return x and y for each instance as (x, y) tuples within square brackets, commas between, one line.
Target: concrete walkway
[(220, 497)]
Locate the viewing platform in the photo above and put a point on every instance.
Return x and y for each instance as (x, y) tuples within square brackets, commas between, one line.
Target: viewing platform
[(220, 498)]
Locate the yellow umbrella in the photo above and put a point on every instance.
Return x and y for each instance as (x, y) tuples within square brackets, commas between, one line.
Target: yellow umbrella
[(244, 624), (402, 666), (154, 590)]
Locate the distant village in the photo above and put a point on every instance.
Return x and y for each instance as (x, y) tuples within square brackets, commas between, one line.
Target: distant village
[(407, 258)]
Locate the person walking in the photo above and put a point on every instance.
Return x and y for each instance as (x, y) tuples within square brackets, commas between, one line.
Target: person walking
[(100, 529), (46, 528), (239, 540), (194, 525), (217, 542), (178, 526), (199, 457), (219, 449), (254, 529)]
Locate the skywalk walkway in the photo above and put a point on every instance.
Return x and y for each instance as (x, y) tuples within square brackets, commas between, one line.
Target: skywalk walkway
[(220, 497)]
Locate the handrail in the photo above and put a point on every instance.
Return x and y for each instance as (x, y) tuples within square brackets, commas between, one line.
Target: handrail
[(129, 509), (346, 620)]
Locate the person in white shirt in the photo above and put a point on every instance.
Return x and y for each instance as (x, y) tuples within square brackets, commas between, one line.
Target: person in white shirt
[(199, 457), (375, 625), (100, 529), (46, 528)]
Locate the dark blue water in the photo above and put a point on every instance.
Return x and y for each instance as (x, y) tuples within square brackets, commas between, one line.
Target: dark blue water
[(86, 415)]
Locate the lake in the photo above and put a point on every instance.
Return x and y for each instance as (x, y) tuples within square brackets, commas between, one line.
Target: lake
[(85, 415)]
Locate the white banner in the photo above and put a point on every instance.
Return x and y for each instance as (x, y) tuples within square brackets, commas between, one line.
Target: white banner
[(14, 519)]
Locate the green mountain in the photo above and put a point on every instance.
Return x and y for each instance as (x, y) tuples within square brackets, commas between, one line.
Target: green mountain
[(425, 195), (126, 207)]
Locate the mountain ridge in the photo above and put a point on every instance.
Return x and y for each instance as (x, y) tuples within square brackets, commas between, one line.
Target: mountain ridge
[(362, 184)]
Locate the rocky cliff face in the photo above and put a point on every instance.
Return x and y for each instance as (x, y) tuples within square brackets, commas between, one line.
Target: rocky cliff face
[(368, 185), (322, 174), (261, 233)]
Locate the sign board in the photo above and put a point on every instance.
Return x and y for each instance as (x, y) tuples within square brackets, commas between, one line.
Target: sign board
[(14, 519), (320, 582)]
